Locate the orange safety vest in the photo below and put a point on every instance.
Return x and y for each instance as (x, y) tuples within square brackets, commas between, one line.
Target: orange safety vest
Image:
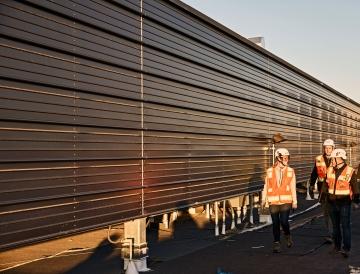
[(342, 186), (279, 194), (321, 167)]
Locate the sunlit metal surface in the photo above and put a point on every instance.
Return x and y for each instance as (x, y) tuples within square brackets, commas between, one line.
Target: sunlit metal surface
[(110, 114)]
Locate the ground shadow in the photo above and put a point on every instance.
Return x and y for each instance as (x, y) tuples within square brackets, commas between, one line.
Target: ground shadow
[(104, 257)]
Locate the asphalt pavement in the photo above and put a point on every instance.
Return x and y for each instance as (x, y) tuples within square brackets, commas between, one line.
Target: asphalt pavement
[(190, 246)]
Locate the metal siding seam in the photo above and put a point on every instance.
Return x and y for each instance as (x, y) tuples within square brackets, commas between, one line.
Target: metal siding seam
[(74, 126), (142, 105)]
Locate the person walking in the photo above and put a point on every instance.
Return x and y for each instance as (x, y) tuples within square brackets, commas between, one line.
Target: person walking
[(318, 177), (342, 190), (279, 195)]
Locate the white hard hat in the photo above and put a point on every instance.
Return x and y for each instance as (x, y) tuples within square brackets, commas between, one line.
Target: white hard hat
[(329, 142), (338, 153), (281, 152)]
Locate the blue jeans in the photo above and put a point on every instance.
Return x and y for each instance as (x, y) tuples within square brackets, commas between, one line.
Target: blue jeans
[(280, 216), (340, 214)]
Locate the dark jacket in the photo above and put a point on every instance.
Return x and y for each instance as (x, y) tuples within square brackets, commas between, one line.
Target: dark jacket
[(322, 187), (354, 187)]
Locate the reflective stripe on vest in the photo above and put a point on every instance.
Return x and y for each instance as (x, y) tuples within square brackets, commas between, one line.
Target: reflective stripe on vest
[(342, 185), (320, 167), (279, 194)]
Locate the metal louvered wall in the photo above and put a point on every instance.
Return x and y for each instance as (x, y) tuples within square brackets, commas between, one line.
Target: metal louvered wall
[(115, 110)]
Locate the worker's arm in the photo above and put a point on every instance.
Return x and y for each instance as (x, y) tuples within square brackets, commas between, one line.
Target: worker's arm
[(355, 187), (313, 176), (265, 202), (293, 192)]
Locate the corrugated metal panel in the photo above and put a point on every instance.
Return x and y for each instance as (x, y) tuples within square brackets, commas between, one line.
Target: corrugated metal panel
[(206, 82), (114, 110), (70, 118)]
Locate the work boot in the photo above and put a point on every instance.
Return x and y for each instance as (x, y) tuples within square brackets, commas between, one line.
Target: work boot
[(345, 253), (328, 240), (289, 242), (276, 247), (334, 250)]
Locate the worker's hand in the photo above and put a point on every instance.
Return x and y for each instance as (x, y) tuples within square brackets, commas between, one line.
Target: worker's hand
[(294, 206), (356, 202), (264, 204), (356, 206)]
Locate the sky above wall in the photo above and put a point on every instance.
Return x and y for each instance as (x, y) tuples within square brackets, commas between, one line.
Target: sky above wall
[(320, 37)]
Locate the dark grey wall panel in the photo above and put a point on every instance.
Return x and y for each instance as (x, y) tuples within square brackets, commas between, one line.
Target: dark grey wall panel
[(112, 110), (104, 16), (60, 33), (234, 45), (28, 63), (70, 126), (29, 102), (161, 64)]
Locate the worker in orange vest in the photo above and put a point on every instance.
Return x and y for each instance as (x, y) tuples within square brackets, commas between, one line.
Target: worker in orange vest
[(279, 195), (342, 190), (318, 176)]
